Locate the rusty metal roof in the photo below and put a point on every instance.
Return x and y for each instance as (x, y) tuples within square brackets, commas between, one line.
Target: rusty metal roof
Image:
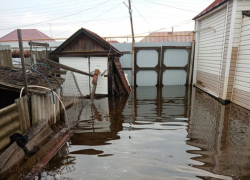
[(91, 35), (26, 35), (211, 7), (182, 38), (122, 76)]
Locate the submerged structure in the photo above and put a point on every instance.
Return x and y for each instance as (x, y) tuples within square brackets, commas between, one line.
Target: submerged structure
[(222, 52), (87, 51)]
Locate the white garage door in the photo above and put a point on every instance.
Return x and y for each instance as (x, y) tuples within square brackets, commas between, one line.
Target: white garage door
[(81, 63)]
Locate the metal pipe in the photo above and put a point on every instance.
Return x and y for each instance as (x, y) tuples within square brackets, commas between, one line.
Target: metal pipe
[(11, 40)]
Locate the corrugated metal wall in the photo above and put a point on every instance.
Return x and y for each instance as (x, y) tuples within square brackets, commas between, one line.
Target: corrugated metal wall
[(147, 58), (146, 78), (176, 57), (174, 77)]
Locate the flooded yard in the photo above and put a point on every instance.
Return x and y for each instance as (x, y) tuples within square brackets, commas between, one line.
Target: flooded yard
[(156, 133)]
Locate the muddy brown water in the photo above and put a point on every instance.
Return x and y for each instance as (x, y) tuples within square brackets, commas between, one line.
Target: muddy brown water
[(156, 133)]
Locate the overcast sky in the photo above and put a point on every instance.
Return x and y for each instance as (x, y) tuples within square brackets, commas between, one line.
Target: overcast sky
[(104, 17)]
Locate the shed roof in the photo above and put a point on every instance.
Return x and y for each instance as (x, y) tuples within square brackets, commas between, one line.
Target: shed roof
[(211, 7), (92, 35), (27, 34)]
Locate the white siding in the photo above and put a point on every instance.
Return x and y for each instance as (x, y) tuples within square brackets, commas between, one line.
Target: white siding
[(242, 5), (69, 86), (211, 48), (100, 63), (242, 73)]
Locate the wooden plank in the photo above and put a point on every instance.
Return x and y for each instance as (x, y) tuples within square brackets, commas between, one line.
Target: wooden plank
[(13, 147), (54, 146), (66, 67), (19, 153)]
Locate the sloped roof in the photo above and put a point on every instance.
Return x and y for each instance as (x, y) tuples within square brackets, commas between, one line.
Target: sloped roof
[(211, 7), (27, 34), (92, 35), (187, 38)]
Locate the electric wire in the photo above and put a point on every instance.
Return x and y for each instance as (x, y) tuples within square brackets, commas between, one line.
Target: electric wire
[(55, 18)]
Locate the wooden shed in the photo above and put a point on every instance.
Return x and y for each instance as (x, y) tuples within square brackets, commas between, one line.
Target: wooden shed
[(87, 51), (222, 51)]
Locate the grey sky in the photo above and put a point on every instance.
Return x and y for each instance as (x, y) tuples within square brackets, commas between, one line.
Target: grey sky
[(105, 17)]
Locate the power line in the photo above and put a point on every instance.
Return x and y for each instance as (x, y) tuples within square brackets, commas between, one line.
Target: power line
[(15, 9), (140, 13), (172, 6), (45, 14), (90, 19), (57, 18)]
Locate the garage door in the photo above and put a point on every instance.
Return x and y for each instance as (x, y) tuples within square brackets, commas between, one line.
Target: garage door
[(69, 86), (241, 90)]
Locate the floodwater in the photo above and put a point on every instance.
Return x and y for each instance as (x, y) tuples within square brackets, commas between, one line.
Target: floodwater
[(162, 133)]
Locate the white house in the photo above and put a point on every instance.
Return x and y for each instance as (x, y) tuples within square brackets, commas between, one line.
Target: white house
[(222, 52)]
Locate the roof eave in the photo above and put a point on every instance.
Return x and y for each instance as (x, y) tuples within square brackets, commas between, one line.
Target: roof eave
[(90, 35), (212, 9)]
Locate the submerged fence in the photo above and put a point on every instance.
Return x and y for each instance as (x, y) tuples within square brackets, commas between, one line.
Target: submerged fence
[(16, 117)]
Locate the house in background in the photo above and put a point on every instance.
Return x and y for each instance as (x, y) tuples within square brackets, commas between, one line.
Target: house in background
[(27, 34), (87, 51), (222, 52), (184, 36)]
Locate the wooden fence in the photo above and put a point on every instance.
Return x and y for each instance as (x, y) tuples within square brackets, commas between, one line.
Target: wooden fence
[(16, 117), (5, 55)]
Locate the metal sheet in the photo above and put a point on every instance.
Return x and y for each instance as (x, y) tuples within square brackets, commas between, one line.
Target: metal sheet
[(4, 47), (146, 78), (69, 86), (160, 44), (175, 57), (123, 46), (174, 77), (129, 75), (126, 61), (147, 58)]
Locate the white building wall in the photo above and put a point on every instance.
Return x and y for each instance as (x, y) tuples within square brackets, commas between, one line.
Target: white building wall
[(209, 58), (241, 90), (242, 5)]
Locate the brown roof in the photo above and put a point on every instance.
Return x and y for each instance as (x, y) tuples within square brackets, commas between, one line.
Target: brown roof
[(211, 7), (122, 76), (93, 36), (27, 34), (188, 38), (112, 41)]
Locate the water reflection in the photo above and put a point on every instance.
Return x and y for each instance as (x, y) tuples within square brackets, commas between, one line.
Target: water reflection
[(222, 134), (170, 132)]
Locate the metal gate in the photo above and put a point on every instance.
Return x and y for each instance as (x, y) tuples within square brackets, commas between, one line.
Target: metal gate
[(157, 64), (147, 66)]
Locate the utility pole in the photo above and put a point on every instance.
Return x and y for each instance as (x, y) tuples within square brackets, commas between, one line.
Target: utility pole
[(131, 20), (22, 59)]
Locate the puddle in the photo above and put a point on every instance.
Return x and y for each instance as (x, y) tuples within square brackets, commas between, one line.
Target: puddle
[(163, 133)]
